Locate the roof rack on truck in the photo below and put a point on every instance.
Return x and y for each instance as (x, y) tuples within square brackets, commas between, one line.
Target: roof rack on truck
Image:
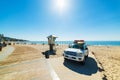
[(79, 41)]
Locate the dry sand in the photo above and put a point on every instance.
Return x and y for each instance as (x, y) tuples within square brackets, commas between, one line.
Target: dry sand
[(109, 58), (30, 52), (27, 63)]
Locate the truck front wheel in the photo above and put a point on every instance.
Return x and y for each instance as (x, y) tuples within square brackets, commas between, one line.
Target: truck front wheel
[(83, 62), (65, 59), (86, 56)]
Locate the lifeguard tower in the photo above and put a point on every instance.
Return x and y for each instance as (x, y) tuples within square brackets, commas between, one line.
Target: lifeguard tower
[(51, 42)]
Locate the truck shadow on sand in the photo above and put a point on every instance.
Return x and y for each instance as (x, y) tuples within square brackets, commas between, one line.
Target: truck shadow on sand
[(89, 68)]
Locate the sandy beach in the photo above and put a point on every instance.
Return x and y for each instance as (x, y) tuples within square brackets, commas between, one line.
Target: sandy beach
[(59, 40), (108, 57), (30, 52)]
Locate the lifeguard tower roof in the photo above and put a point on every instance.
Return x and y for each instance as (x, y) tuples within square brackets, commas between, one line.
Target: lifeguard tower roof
[(52, 36)]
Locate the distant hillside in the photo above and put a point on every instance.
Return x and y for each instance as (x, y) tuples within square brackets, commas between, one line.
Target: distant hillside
[(4, 38), (12, 39)]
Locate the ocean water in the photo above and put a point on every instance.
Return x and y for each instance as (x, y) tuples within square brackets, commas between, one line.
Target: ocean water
[(93, 43)]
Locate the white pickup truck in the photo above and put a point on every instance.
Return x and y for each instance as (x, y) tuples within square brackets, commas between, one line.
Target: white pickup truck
[(77, 52)]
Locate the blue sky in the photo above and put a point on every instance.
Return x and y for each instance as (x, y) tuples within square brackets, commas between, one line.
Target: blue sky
[(72, 19)]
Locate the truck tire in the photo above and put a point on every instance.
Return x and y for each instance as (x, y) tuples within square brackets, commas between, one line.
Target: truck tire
[(83, 62), (0, 48), (86, 56), (65, 59)]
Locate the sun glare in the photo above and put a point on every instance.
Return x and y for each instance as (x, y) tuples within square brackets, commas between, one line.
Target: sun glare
[(61, 6)]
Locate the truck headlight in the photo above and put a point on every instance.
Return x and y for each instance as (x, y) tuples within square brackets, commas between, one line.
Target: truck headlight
[(80, 54)]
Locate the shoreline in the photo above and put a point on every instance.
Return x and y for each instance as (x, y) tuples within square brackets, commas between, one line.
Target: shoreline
[(91, 43)]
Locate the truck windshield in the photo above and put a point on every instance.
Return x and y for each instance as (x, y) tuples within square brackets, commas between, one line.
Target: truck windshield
[(78, 46)]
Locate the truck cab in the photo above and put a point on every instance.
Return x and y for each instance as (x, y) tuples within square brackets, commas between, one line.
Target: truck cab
[(77, 51)]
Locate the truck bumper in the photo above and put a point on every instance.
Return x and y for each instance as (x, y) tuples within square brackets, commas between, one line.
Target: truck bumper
[(74, 58)]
